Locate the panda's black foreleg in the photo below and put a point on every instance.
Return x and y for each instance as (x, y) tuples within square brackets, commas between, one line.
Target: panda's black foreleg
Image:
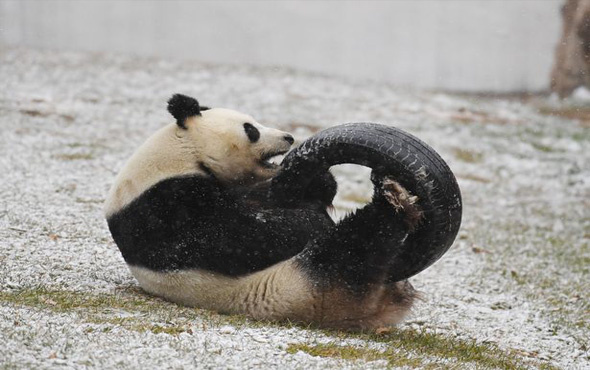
[(358, 250)]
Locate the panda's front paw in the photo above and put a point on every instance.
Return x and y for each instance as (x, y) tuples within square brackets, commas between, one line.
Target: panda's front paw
[(402, 202)]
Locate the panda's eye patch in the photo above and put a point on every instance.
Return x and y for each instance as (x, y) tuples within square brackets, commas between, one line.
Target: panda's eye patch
[(252, 132)]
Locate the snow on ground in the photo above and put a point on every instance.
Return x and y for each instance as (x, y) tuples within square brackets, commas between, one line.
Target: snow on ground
[(516, 277)]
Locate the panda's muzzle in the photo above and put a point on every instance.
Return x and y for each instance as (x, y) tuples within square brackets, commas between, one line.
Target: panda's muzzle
[(265, 159)]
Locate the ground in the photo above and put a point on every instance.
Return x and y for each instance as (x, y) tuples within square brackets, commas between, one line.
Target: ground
[(512, 292)]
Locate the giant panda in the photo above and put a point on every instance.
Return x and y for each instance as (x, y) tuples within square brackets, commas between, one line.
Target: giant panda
[(190, 215)]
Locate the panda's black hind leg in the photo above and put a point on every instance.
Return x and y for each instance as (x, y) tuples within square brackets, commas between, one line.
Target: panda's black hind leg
[(358, 250)]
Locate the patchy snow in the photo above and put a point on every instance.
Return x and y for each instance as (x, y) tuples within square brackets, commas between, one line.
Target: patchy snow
[(517, 276), (581, 94)]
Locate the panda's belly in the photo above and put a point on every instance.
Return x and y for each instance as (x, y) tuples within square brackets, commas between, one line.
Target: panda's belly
[(278, 292)]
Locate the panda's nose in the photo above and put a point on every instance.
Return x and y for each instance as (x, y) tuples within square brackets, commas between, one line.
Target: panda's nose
[(289, 139)]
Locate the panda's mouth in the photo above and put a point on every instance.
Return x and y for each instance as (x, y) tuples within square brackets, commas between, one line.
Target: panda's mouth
[(272, 159)]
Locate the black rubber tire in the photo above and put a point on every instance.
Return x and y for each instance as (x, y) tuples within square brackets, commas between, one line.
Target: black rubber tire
[(389, 152)]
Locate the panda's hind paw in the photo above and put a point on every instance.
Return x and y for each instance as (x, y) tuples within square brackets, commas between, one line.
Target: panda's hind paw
[(403, 202)]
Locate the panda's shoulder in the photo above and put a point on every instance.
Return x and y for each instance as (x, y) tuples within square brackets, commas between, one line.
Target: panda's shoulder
[(196, 189)]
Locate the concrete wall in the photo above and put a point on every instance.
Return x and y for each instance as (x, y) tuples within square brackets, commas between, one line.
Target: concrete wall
[(479, 45)]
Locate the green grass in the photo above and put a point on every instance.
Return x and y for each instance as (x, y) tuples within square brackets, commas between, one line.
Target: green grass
[(67, 301), (475, 178), (103, 308), (415, 348), (74, 156), (468, 156), (149, 314), (344, 352), (99, 308), (543, 148)]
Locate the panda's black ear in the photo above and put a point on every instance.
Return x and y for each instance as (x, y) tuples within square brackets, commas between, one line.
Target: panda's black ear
[(181, 107)]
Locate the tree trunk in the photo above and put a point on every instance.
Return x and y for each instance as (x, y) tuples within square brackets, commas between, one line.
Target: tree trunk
[(572, 56)]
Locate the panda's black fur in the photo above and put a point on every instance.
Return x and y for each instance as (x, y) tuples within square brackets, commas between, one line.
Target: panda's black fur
[(181, 107), (199, 231), (194, 222)]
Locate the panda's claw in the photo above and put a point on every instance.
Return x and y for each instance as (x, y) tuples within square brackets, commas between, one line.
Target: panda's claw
[(402, 201)]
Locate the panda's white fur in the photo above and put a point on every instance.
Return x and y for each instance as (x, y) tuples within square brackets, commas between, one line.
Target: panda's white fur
[(274, 293), (278, 293), (215, 138), (212, 144)]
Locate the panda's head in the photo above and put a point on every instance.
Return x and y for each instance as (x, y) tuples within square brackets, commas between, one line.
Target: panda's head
[(214, 142), (230, 145)]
